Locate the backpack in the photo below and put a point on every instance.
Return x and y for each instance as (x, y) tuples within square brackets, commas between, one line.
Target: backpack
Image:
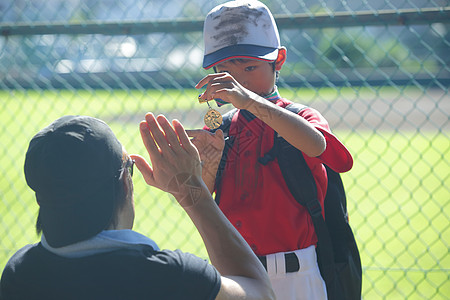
[(337, 252)]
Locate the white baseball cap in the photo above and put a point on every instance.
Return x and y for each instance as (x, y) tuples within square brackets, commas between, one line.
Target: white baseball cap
[(240, 29)]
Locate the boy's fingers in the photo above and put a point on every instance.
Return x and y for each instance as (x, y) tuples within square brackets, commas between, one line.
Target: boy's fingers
[(209, 78), (203, 81), (217, 81), (219, 134)]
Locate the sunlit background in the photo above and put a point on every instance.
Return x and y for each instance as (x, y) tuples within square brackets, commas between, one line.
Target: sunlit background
[(377, 70)]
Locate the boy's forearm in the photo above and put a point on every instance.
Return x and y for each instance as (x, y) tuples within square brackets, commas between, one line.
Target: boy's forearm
[(293, 128)]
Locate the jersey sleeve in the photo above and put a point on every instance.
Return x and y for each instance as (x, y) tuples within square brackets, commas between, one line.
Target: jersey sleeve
[(336, 155)]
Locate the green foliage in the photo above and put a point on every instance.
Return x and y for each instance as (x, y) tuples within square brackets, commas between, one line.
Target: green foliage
[(361, 48)]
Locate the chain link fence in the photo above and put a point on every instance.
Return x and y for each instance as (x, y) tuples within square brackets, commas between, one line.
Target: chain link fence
[(377, 70)]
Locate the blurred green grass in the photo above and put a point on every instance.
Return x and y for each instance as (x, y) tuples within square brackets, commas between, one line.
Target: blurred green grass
[(397, 191)]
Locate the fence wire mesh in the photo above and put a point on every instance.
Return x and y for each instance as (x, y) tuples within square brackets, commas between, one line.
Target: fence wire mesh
[(377, 70)]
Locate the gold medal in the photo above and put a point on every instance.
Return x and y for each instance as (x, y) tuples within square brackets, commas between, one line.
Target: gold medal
[(213, 119)]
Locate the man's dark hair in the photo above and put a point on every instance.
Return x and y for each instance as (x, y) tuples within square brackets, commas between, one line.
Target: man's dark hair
[(118, 202), (73, 166)]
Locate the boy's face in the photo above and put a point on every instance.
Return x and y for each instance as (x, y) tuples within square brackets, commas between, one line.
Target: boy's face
[(256, 75)]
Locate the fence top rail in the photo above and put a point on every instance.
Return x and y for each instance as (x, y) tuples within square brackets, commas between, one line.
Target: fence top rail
[(402, 17)]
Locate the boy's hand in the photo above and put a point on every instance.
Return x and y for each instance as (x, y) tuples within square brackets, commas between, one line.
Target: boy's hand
[(225, 87), (210, 147)]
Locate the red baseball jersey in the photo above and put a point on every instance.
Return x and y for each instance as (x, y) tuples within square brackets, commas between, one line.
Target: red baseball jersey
[(256, 199)]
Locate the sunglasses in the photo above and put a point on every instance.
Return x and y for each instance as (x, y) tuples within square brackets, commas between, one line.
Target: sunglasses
[(129, 164)]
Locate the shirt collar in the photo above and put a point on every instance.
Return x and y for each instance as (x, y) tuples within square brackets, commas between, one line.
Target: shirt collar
[(274, 96), (105, 241)]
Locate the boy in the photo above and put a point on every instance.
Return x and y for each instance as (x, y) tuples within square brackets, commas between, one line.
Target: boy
[(242, 45)]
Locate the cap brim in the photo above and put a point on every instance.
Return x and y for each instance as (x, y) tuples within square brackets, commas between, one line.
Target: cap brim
[(240, 51)]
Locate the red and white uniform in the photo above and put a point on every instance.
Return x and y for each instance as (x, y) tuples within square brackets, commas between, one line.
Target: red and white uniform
[(256, 199)]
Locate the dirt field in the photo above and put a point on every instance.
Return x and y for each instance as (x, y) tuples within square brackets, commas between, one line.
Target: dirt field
[(403, 110), (408, 111)]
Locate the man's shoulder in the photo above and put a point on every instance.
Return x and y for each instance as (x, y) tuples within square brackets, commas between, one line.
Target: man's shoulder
[(22, 255), (141, 257), (146, 270), (20, 264)]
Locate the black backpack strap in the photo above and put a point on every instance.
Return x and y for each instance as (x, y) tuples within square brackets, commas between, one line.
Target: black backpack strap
[(346, 254), (302, 186), (295, 107), (229, 141)]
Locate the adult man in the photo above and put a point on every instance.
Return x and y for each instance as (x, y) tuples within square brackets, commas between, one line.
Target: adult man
[(82, 179)]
